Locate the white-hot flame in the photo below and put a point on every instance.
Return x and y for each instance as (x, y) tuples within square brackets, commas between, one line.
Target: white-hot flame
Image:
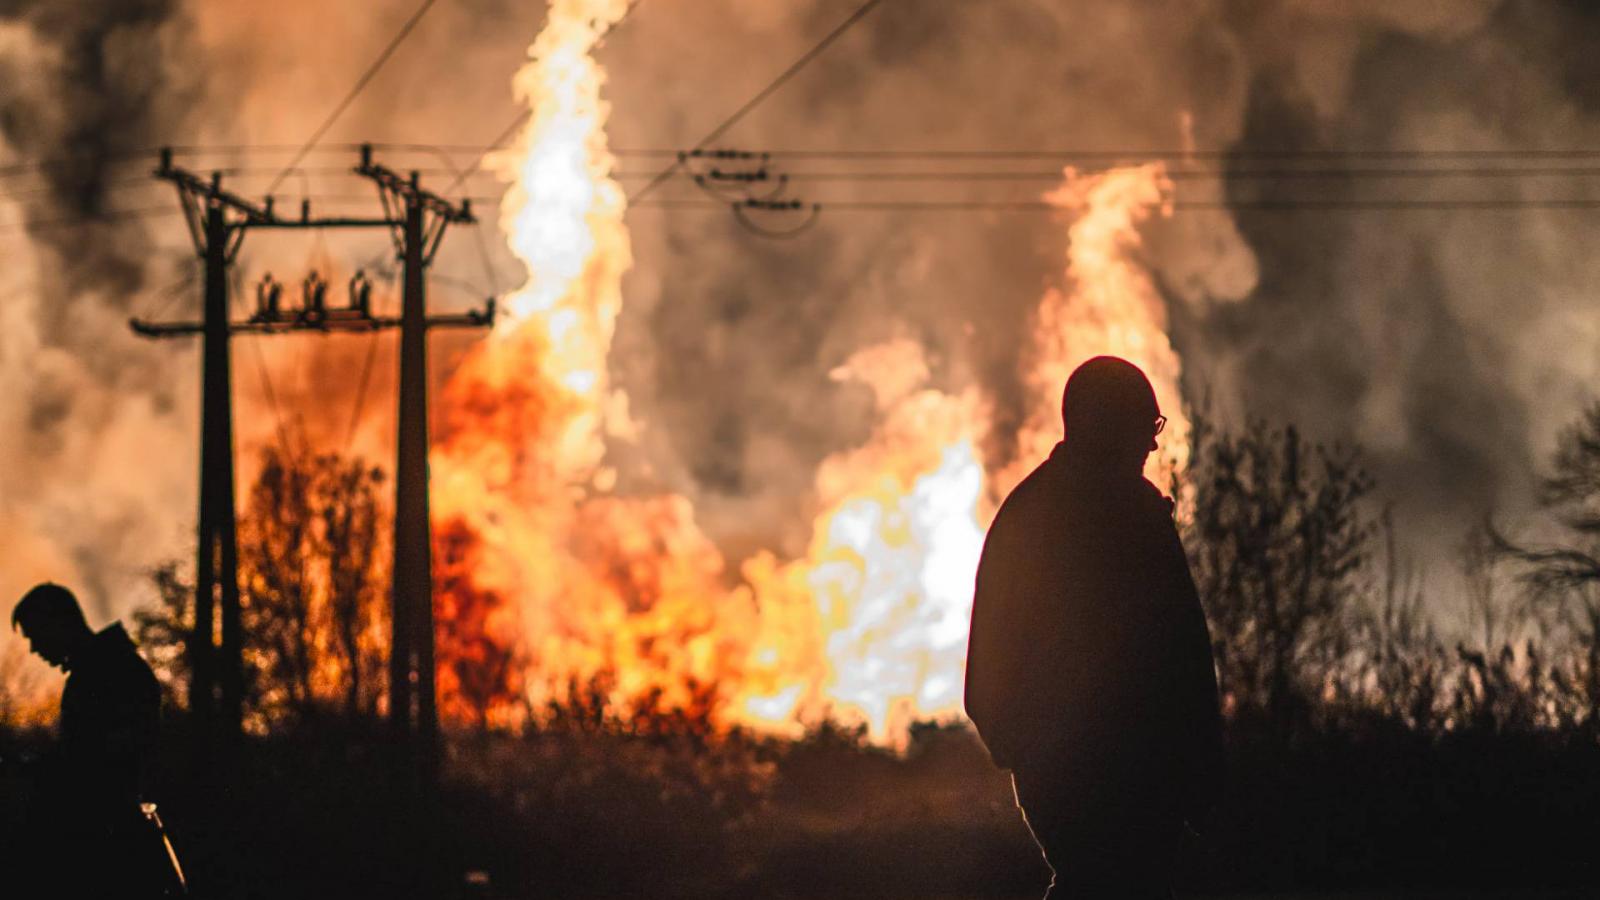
[(550, 586)]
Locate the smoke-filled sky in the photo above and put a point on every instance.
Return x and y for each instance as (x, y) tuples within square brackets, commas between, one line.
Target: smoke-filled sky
[(1451, 344)]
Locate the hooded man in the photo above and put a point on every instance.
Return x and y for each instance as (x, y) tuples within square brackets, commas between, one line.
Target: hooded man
[(1089, 673)]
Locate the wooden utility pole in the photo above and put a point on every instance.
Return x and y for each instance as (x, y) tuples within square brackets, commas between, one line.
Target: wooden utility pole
[(216, 566), (217, 222), (413, 699)]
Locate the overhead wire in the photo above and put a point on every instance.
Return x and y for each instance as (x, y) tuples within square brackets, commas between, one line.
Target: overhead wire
[(169, 295), (1498, 173), (761, 96), (39, 167), (114, 215), (358, 410), (355, 91), (1156, 155), (1495, 173), (1178, 205), (265, 379), (477, 233)]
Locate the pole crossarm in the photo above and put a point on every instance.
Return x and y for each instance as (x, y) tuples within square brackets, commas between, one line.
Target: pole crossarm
[(340, 222), (402, 193), (397, 185), (197, 194), (482, 317), (193, 186), (336, 320)]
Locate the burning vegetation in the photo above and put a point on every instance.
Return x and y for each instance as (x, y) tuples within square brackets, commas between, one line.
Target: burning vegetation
[(551, 582), (558, 590)]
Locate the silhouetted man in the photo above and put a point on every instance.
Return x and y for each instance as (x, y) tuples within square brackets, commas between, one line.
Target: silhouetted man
[(87, 835), (1089, 673)]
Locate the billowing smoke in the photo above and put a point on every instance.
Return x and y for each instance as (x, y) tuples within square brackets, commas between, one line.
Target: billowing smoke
[(96, 462), (1451, 344)]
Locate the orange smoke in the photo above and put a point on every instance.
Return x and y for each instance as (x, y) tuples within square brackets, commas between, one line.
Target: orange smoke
[(552, 588)]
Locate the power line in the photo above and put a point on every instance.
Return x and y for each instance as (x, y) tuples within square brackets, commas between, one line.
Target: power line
[(1293, 205), (272, 398), (361, 83), (1178, 174), (43, 166), (1157, 155), (128, 157), (358, 411), (762, 95), (1287, 205), (1307, 203), (1498, 173), (113, 215), (170, 294), (47, 189)]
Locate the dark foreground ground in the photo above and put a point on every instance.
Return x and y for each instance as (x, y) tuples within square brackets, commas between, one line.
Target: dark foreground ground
[(586, 813)]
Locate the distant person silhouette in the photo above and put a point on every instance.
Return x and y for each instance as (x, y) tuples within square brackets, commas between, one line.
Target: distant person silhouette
[(1089, 673), (86, 833)]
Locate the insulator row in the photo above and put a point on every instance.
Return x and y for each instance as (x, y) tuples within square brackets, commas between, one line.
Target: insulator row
[(313, 300)]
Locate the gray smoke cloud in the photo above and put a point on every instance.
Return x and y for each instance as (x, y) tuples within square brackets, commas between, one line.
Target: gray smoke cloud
[(1451, 344), (93, 422)]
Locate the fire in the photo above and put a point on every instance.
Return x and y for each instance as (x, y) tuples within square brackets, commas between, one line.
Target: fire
[(1108, 304), (871, 625), (553, 588)]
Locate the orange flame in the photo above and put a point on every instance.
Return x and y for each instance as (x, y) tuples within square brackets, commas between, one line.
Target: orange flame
[(552, 587), (871, 625), (1108, 304)]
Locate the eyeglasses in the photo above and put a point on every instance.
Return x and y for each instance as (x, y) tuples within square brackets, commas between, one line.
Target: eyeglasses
[(1161, 423)]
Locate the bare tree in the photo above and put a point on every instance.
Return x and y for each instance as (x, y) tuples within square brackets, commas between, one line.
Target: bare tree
[(1563, 579), (276, 552), (1278, 541), (1489, 617), (313, 584), (351, 541), (162, 631)]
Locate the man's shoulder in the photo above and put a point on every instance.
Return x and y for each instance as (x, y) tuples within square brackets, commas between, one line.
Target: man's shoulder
[(114, 656), (1152, 500), (1034, 495)]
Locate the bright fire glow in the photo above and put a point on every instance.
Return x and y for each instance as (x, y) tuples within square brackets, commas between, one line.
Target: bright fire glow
[(552, 588)]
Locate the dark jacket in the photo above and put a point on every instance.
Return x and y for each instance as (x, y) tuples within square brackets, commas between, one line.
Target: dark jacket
[(85, 835), (110, 720), (1089, 659)]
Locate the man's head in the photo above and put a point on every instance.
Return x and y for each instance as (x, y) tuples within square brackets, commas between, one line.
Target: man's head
[(1110, 413), (52, 621)]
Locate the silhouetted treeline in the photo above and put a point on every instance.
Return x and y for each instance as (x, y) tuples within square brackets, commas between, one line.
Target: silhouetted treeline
[(313, 579), (1384, 730), (1320, 623)]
